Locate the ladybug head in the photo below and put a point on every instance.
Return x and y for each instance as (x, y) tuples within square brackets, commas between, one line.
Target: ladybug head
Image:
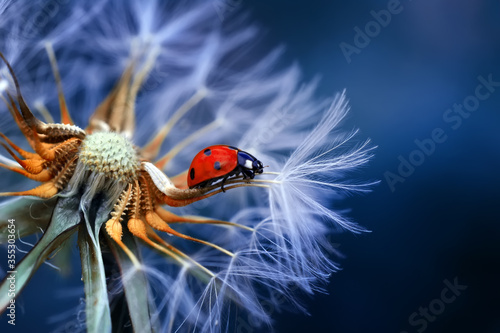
[(258, 167), (248, 161)]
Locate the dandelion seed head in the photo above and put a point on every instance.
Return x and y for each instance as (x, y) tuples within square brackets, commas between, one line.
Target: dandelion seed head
[(111, 154)]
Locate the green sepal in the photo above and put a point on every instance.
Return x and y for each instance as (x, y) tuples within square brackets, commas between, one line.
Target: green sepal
[(135, 286), (30, 215), (61, 227)]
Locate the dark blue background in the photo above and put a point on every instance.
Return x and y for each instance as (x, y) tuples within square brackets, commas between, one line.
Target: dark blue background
[(441, 223)]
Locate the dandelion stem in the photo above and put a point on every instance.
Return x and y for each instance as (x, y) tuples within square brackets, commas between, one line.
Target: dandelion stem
[(179, 253), (234, 186), (246, 182), (164, 250), (249, 181), (115, 112), (159, 223), (160, 164), (271, 173), (152, 148), (129, 253), (9, 163), (42, 109), (170, 217), (201, 220), (139, 77), (22, 152), (141, 230), (265, 181), (65, 117)]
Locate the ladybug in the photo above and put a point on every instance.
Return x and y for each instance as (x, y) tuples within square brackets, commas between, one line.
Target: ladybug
[(221, 162)]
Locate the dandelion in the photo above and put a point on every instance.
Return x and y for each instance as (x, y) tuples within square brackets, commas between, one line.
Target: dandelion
[(142, 88)]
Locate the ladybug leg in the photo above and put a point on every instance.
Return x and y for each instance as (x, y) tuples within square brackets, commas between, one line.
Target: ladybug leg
[(247, 175), (235, 173), (222, 183)]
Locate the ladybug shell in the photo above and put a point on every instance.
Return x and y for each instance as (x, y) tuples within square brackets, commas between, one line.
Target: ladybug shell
[(211, 163)]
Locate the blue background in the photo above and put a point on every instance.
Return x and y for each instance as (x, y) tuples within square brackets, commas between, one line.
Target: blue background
[(441, 223)]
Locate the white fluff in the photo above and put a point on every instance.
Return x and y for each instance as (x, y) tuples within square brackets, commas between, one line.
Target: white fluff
[(271, 114)]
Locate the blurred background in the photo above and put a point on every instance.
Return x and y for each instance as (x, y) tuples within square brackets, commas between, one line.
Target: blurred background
[(407, 67), (423, 79)]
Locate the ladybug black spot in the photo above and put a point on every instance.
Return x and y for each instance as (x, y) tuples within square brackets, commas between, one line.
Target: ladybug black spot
[(191, 173), (217, 165), (207, 152)]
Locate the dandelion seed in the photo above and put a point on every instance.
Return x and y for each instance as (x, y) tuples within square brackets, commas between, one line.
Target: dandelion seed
[(120, 178)]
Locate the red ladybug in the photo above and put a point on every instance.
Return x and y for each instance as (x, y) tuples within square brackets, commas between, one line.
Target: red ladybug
[(221, 162)]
